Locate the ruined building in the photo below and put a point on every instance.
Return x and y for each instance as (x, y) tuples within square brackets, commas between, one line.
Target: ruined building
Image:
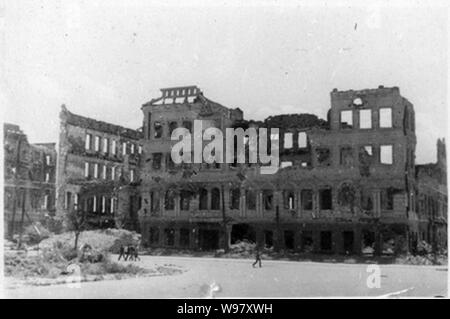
[(29, 180), (432, 187), (347, 184), (97, 163)]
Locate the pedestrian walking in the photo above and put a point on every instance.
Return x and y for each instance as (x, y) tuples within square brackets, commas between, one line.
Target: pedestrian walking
[(257, 258), (123, 252)]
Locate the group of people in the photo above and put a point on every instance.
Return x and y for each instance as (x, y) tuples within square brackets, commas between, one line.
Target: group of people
[(129, 252)]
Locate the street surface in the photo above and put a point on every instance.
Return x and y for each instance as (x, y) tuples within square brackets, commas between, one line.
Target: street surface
[(221, 278)]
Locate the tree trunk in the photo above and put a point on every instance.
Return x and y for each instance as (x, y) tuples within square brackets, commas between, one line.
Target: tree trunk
[(77, 235)]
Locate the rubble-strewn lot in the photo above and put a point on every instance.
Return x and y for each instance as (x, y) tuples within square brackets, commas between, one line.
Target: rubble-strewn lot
[(54, 260)]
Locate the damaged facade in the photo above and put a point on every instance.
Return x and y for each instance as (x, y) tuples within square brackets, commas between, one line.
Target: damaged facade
[(98, 170), (29, 176), (348, 184)]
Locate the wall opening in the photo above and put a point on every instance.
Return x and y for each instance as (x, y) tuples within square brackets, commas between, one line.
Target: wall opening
[(365, 119), (184, 237), (268, 238), (326, 242), (241, 232), (307, 241), (203, 199), (289, 239), (325, 199), (215, 199), (307, 199), (385, 117), (348, 238), (346, 119)]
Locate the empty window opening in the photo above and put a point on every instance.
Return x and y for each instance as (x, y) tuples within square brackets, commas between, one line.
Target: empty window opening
[(326, 240), (250, 199), (346, 119), (154, 235), (169, 200), (203, 199), (154, 200), (302, 140), (325, 199), (323, 156), (348, 239), (131, 175), (97, 144), (47, 159), (215, 199), (366, 200), (346, 156), (385, 117), (242, 233), (307, 199), (114, 147), (185, 198), (365, 119), (387, 199), (95, 170), (172, 127), (268, 238), (157, 161), (289, 200), (158, 130), (170, 236), (88, 142), (268, 199), (386, 154), (347, 196), (235, 196), (288, 137), (113, 173), (184, 237), (105, 145), (368, 242), (208, 239), (289, 239), (68, 200), (104, 171), (47, 177), (307, 241)]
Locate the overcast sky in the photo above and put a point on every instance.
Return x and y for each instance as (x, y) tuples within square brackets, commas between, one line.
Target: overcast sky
[(104, 59)]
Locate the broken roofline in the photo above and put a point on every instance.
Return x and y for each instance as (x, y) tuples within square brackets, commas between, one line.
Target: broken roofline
[(89, 123)]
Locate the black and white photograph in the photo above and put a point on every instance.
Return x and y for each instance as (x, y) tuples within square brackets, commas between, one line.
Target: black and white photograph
[(224, 150)]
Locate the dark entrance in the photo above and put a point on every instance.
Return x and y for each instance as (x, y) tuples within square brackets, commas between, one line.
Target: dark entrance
[(325, 240), (268, 238), (208, 239), (348, 242), (289, 239), (240, 232)]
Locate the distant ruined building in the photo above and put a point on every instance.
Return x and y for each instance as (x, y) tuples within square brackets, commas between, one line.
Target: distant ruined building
[(348, 184), (29, 181)]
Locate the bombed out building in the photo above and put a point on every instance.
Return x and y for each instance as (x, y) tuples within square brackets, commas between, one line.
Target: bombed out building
[(346, 184), (98, 170), (29, 181)]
